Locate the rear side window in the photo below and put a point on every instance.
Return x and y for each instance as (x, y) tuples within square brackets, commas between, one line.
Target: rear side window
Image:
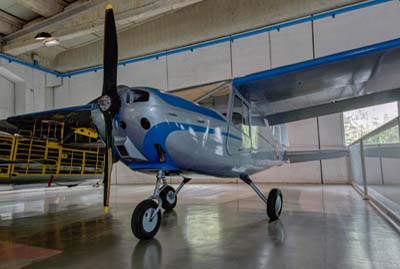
[(134, 96)]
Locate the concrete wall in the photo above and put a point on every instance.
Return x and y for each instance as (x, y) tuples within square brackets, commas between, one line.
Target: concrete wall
[(24, 89), (7, 106), (225, 60)]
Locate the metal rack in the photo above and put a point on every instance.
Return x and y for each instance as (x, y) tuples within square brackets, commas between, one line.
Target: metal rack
[(39, 153)]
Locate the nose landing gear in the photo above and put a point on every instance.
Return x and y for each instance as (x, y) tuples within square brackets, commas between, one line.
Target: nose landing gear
[(146, 217)]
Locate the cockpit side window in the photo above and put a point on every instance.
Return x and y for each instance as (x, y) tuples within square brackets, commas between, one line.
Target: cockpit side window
[(237, 116), (240, 115), (241, 120), (134, 96)]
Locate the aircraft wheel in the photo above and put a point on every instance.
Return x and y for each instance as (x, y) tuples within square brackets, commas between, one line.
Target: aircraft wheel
[(274, 204), (168, 198), (143, 226)]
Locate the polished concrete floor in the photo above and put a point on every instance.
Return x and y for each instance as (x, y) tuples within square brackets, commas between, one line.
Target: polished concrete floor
[(213, 226)]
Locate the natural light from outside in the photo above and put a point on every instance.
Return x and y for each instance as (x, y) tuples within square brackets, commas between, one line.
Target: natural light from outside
[(360, 122)]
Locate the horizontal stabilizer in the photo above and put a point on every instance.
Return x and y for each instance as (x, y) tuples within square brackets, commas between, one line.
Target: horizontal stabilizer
[(314, 155)]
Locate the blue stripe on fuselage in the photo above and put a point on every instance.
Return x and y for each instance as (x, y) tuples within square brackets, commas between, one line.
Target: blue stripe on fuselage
[(158, 135), (187, 105)]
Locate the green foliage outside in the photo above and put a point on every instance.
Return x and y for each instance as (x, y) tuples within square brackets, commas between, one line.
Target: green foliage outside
[(359, 124), (388, 136)]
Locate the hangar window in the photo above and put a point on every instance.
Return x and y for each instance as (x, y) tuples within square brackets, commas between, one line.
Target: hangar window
[(360, 122)]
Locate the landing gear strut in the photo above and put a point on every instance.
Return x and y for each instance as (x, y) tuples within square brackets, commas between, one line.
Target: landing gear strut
[(146, 217), (274, 201)]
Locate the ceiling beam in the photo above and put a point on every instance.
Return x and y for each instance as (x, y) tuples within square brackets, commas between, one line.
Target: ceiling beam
[(9, 23), (68, 13), (124, 19), (45, 8)]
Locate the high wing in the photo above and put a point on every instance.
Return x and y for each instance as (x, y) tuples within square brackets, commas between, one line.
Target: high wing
[(72, 118), (331, 84)]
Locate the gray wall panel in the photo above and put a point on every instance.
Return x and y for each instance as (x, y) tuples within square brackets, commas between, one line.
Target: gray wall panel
[(356, 29), (151, 73), (391, 171), (200, 66), (251, 54), (373, 171), (291, 45), (331, 136), (7, 96)]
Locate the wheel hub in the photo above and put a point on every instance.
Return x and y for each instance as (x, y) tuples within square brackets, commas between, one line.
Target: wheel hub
[(171, 197), (149, 224), (278, 205)]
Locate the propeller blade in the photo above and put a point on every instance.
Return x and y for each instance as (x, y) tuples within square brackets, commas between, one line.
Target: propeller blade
[(110, 56), (108, 163), (109, 102)]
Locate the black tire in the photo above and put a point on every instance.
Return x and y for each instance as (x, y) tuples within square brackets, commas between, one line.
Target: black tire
[(167, 204), (141, 215), (273, 209)]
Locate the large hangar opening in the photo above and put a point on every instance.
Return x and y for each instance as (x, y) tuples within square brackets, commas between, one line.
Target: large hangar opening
[(199, 133)]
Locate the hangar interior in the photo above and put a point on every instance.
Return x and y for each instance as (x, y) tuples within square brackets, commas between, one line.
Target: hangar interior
[(184, 46)]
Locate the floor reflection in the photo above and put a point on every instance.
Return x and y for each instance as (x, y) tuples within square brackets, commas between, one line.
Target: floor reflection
[(169, 219), (202, 228), (36, 202), (147, 254), (276, 231), (320, 227)]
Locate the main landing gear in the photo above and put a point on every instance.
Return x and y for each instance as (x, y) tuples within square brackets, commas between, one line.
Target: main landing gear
[(274, 201), (146, 217)]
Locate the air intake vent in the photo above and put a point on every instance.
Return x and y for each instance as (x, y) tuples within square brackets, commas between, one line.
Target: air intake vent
[(122, 151)]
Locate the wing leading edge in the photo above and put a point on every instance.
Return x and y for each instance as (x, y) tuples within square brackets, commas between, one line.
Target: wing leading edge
[(76, 116)]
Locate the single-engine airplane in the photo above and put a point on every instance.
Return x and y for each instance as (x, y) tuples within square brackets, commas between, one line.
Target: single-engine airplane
[(226, 132)]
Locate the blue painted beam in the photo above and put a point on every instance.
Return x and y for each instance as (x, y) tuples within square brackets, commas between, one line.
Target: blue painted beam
[(34, 66)]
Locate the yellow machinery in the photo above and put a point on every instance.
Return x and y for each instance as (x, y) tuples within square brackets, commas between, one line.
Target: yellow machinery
[(39, 154)]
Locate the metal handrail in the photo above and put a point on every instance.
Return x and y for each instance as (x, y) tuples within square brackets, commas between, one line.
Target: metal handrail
[(378, 130)]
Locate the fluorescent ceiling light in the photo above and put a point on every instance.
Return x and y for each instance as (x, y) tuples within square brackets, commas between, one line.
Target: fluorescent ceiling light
[(42, 36), (51, 42)]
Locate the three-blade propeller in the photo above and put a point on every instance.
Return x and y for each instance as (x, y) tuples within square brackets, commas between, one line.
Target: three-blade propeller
[(109, 102)]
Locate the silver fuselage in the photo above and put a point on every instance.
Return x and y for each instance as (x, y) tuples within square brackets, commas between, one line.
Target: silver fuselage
[(169, 133)]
